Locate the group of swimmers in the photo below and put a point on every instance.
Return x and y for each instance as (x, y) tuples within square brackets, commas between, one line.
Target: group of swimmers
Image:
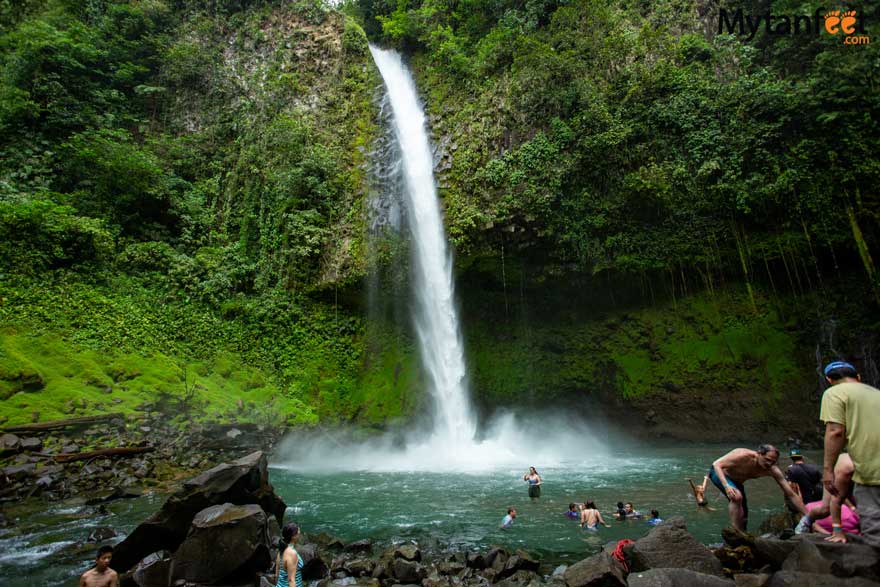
[(585, 512)]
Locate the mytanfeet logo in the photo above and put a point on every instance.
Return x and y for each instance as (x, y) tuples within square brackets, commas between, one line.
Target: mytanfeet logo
[(846, 24)]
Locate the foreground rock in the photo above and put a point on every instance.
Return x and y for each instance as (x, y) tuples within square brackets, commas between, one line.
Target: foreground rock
[(224, 541), (670, 545), (241, 482)]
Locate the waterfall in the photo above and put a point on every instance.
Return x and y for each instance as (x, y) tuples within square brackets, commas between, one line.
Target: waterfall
[(409, 197), (435, 314)]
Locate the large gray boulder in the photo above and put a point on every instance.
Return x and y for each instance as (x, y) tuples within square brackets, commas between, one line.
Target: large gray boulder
[(599, 570), (241, 482), (795, 579), (225, 541), (676, 578), (670, 545), (812, 554), (314, 565)]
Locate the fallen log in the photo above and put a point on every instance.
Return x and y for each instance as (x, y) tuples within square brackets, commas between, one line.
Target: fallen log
[(122, 451), (59, 424)]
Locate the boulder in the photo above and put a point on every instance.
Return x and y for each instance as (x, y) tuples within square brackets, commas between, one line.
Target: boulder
[(450, 567), (476, 560), (795, 579), (241, 482), (362, 567), (408, 552), (599, 570), (153, 571), (101, 534), (362, 546), (748, 580), (314, 565), (521, 578), (225, 541), (407, 571), (813, 554), (666, 577), (31, 444), (9, 444), (496, 558), (670, 545), (806, 558), (16, 472)]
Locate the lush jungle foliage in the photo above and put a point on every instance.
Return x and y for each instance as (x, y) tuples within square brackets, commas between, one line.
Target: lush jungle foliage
[(182, 192), (630, 136)]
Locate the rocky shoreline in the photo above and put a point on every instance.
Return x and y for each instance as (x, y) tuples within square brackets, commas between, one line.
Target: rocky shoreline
[(222, 527), (66, 461)]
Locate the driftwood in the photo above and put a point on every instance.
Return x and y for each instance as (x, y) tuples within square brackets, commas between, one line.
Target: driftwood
[(59, 424), (122, 451)]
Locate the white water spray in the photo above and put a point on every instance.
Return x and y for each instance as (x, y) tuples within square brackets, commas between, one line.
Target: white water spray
[(451, 443)]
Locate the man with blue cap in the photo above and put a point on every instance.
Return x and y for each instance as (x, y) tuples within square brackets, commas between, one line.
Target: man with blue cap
[(850, 411)]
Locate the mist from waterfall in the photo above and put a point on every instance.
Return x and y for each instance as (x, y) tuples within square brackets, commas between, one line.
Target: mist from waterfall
[(451, 438)]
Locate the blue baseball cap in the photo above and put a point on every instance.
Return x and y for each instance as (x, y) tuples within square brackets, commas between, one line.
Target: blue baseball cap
[(795, 452), (837, 365)]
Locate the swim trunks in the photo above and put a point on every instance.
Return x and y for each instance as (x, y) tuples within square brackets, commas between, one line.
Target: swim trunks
[(717, 482)]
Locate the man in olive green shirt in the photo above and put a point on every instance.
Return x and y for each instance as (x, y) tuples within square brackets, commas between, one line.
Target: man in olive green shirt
[(850, 411)]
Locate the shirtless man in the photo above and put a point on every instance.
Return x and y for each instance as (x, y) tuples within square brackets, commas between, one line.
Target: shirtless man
[(730, 472), (101, 575), (591, 517)]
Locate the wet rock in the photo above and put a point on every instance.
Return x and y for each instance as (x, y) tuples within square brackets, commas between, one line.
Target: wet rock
[(450, 567), (153, 571), (224, 540), (806, 558), (670, 545), (794, 579), (496, 558), (314, 565), (407, 571), (814, 555), (476, 560), (362, 546), (408, 552), (521, 578), (244, 481), (667, 577), (31, 444), (69, 449), (327, 541), (9, 443), (436, 580), (599, 570), (101, 534), (747, 580), (17, 472), (359, 567)]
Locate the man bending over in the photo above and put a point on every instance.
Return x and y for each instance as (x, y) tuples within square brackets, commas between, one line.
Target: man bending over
[(730, 472)]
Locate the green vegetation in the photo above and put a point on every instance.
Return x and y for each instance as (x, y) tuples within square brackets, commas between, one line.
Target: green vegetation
[(629, 137), (182, 202)]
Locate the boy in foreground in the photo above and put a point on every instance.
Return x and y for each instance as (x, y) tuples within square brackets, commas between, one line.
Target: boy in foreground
[(101, 575)]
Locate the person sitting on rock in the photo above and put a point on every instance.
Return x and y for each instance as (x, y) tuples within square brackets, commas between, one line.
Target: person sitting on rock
[(831, 505), (101, 575), (289, 563)]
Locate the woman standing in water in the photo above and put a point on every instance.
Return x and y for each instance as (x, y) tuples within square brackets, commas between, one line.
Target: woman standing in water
[(289, 562), (534, 481)]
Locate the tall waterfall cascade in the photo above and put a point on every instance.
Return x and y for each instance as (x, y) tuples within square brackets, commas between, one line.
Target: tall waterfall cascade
[(435, 314), (450, 440)]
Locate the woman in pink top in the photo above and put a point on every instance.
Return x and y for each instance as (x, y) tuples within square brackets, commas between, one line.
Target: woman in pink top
[(849, 519)]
